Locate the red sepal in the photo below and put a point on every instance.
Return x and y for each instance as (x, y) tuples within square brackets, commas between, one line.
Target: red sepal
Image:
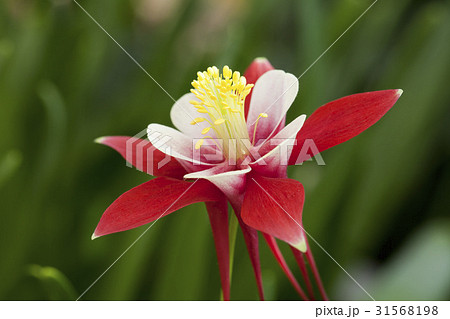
[(274, 206), (144, 156), (342, 119), (152, 200)]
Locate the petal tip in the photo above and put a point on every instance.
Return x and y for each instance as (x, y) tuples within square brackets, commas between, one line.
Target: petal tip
[(301, 246), (261, 59), (399, 92), (94, 236), (99, 140)]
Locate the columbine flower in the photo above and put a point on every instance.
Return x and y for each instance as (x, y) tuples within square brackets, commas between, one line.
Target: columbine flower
[(232, 145)]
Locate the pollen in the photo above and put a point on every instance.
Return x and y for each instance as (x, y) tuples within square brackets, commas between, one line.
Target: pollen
[(198, 120), (199, 144), (206, 130), (221, 100)]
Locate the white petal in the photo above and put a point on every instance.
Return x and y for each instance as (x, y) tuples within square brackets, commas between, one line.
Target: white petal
[(278, 149), (273, 94), (173, 143), (183, 113), (230, 182)]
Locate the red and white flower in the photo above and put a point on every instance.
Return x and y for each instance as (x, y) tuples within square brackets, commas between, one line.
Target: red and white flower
[(231, 144)]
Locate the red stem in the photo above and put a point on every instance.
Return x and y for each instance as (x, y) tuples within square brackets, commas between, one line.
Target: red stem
[(282, 262), (302, 265), (218, 216)]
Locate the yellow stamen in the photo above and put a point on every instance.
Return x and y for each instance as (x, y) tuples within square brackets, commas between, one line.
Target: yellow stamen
[(222, 98), (206, 130), (236, 77), (226, 72), (193, 102), (199, 143), (198, 120), (256, 123)]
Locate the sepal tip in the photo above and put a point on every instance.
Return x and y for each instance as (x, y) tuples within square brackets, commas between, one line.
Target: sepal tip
[(99, 140), (301, 246)]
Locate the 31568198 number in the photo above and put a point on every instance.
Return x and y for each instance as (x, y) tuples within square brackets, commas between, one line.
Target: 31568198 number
[(407, 310)]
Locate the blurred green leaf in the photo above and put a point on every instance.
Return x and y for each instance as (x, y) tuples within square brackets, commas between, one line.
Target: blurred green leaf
[(420, 270), (54, 282), (9, 164)]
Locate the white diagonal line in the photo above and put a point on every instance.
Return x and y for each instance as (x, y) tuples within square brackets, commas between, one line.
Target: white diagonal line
[(315, 241), (134, 242), (123, 49), (332, 44), (130, 56), (320, 56)]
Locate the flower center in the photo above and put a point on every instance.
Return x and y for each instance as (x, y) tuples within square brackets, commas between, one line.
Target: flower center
[(221, 99)]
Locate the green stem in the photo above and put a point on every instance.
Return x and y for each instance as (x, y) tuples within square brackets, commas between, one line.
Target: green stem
[(232, 232)]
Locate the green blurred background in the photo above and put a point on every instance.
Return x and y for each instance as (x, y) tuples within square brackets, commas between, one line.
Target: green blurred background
[(379, 207)]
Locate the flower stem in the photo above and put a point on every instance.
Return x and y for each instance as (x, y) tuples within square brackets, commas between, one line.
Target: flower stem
[(233, 227), (232, 230)]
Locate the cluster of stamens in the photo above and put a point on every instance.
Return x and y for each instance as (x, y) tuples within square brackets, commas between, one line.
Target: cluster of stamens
[(221, 99)]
